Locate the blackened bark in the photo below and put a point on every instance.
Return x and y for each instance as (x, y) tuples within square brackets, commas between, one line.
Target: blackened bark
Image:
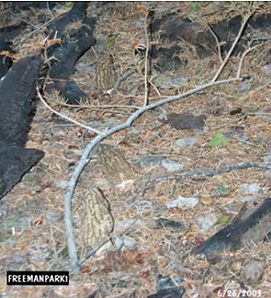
[(254, 226), (17, 89)]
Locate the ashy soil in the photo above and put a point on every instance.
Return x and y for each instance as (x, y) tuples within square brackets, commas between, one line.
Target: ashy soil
[(31, 215)]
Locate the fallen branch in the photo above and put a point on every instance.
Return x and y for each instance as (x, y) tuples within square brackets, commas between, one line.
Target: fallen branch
[(195, 173), (19, 43), (63, 116), (93, 250), (146, 70), (74, 263), (233, 46), (85, 159)]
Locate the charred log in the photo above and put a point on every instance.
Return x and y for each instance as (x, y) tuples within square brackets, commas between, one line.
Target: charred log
[(172, 30), (75, 41), (15, 161), (254, 226), (17, 89)]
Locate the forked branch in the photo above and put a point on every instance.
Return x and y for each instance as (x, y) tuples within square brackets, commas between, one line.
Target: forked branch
[(74, 263)]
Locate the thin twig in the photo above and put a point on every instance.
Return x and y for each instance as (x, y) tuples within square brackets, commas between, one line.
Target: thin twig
[(63, 116), (146, 72), (56, 259), (86, 105), (85, 156), (232, 47), (123, 77), (37, 29), (48, 7), (243, 57), (155, 88), (93, 250), (217, 42), (193, 174)]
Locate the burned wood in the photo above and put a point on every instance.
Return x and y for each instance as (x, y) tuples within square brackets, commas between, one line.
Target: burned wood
[(172, 30), (17, 89), (75, 30), (253, 226), (15, 161)]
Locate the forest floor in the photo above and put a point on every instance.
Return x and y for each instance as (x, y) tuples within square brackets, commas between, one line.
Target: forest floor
[(31, 215)]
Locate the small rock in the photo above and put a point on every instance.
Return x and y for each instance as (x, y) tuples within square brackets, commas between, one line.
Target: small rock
[(38, 251), (54, 216), (143, 206), (267, 174), (267, 69), (205, 223), (249, 198), (183, 203), (129, 241), (253, 271), (16, 262), (243, 88), (185, 142), (176, 292), (61, 183), (148, 161), (172, 82), (127, 223), (171, 165), (164, 282), (60, 133), (252, 187), (125, 241), (268, 158)]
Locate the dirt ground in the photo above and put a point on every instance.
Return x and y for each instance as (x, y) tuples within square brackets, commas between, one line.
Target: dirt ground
[(31, 215)]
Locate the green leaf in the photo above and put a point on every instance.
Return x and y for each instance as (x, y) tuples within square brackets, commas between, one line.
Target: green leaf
[(232, 95), (68, 4), (111, 122), (219, 140), (111, 41), (64, 252), (196, 5), (222, 219), (223, 191)]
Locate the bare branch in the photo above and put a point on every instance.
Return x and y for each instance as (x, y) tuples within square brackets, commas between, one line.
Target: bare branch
[(63, 116), (218, 43), (74, 262), (146, 72), (93, 250), (87, 105), (85, 159), (243, 57), (233, 46), (38, 29), (210, 173)]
